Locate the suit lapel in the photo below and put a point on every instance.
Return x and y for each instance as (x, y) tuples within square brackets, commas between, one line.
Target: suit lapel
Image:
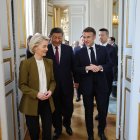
[(85, 55), (51, 51), (62, 53), (97, 52)]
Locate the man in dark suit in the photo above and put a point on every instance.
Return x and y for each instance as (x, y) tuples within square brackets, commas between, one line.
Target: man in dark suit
[(103, 38), (76, 46), (111, 41), (91, 62), (62, 56)]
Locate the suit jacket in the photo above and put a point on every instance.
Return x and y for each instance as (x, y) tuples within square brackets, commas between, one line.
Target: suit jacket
[(77, 48), (112, 55), (63, 72), (86, 78), (29, 85)]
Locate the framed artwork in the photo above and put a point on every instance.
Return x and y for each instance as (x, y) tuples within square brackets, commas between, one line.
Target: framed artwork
[(126, 108), (129, 25), (7, 27), (11, 110), (8, 74), (21, 24), (128, 62)]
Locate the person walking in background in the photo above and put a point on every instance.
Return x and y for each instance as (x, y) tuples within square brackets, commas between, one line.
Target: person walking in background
[(103, 38), (62, 56), (80, 45), (91, 62), (37, 84), (111, 41), (76, 46)]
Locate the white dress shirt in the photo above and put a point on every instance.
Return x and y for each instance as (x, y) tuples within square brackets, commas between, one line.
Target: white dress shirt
[(103, 44), (42, 76), (59, 50)]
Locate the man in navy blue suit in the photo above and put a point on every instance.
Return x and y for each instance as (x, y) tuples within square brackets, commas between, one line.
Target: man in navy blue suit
[(103, 38), (91, 62), (62, 56)]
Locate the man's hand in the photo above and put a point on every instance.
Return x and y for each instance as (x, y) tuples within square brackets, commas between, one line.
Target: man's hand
[(93, 68), (76, 85)]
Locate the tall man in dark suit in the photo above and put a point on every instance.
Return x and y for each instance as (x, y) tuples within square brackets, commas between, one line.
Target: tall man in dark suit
[(62, 56), (91, 62), (103, 38)]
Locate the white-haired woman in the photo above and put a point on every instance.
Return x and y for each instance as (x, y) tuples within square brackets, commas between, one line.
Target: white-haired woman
[(36, 81)]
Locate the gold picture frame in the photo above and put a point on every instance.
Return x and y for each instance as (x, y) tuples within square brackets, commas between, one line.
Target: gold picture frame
[(8, 68), (8, 27), (128, 66), (21, 24), (126, 90), (128, 45), (11, 92)]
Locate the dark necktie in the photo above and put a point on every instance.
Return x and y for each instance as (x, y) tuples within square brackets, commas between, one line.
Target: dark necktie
[(56, 55), (92, 56)]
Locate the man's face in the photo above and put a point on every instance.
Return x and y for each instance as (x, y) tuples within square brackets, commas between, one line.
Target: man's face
[(103, 36), (88, 38), (110, 41), (56, 39)]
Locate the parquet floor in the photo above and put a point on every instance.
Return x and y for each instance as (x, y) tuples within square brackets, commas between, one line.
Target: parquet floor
[(78, 125)]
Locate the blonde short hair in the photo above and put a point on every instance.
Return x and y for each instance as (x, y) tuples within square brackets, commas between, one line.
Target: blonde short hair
[(35, 41)]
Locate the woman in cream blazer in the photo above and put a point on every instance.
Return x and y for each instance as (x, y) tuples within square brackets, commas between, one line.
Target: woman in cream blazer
[(36, 82)]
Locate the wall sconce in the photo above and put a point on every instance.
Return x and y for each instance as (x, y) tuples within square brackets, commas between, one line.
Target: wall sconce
[(115, 20)]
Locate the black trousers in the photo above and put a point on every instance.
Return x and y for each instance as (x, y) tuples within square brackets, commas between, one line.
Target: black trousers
[(32, 122), (78, 92), (63, 109), (109, 77), (101, 97)]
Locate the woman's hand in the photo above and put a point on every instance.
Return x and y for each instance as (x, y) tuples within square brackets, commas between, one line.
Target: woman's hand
[(48, 94), (41, 96)]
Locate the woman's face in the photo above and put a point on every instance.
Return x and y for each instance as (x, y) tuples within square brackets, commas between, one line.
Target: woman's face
[(42, 48)]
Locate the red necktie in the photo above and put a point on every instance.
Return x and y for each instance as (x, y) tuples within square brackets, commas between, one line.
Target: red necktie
[(57, 55)]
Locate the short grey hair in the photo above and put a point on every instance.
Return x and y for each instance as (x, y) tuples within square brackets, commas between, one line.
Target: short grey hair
[(36, 40)]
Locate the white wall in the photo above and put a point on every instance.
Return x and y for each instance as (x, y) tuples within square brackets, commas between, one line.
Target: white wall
[(100, 15), (78, 16)]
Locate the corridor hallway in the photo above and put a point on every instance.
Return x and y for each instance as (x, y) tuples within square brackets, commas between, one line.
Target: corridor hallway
[(78, 125)]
